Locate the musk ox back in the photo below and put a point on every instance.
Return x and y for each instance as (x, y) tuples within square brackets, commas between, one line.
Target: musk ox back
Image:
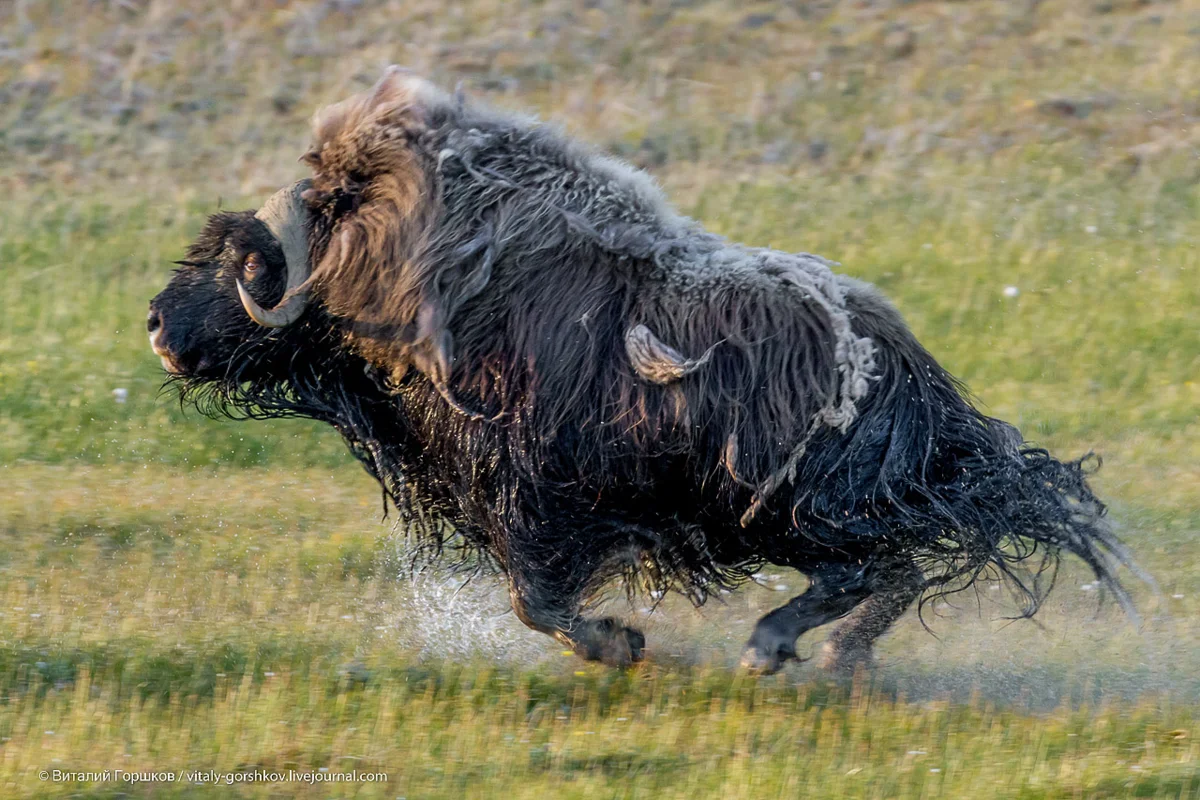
[(545, 365)]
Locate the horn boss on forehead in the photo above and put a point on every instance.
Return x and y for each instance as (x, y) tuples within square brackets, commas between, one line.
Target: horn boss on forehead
[(286, 216)]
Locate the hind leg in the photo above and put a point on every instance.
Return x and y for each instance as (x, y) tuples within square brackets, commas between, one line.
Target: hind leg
[(835, 592), (850, 644)]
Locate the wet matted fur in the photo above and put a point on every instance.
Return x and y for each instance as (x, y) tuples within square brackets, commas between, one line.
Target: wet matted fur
[(541, 361)]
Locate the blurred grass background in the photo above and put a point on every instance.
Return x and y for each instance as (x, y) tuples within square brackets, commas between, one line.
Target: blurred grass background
[(1019, 176)]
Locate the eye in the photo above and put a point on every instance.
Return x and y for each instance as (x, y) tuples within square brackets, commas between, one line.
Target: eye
[(251, 264)]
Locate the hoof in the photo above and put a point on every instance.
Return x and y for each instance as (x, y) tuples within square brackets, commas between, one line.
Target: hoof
[(844, 662), (766, 653), (611, 643), (637, 643), (757, 662)]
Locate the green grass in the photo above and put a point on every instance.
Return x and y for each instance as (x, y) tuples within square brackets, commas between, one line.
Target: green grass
[(454, 731), (163, 618), (180, 593)]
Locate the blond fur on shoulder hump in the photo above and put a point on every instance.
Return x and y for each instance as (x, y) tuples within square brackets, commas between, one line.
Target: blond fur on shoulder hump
[(369, 273)]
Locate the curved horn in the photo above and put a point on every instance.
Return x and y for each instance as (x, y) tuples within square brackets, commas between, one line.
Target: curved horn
[(284, 215)]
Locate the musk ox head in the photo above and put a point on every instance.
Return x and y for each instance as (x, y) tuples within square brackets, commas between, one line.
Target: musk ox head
[(344, 248), (213, 309)]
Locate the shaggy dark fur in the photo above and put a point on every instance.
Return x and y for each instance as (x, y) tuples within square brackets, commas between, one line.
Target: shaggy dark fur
[(541, 362)]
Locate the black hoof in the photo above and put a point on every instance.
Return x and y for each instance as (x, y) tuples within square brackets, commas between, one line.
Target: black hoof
[(767, 651), (609, 642), (763, 662)]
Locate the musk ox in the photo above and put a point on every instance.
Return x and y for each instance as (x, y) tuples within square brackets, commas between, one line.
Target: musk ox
[(548, 368)]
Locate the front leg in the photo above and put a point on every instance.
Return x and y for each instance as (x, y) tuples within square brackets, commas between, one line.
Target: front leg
[(553, 570), (548, 610)]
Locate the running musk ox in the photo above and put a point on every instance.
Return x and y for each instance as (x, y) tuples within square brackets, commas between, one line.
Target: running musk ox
[(544, 364)]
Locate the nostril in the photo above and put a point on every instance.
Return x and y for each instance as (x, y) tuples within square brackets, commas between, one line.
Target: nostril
[(153, 321)]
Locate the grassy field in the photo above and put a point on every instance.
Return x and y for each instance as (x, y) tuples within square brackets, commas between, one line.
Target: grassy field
[(185, 594)]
